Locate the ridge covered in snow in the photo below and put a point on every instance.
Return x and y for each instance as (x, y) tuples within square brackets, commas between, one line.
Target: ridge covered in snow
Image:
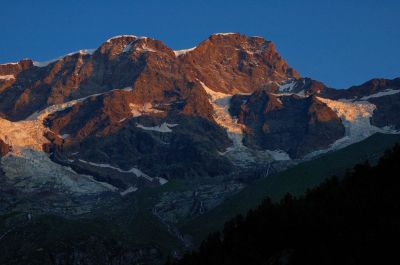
[(126, 36), (9, 63), (183, 52), (46, 63), (386, 92), (41, 115), (225, 33)]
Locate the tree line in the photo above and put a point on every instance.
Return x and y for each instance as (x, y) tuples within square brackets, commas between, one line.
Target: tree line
[(351, 220)]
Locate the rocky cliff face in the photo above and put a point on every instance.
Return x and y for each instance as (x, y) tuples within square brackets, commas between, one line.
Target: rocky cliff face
[(293, 124), (135, 103), (236, 63), (230, 63)]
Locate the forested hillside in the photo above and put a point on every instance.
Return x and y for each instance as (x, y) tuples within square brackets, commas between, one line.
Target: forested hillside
[(353, 220)]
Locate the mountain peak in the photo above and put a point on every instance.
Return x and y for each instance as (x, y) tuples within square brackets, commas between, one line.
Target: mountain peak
[(123, 37)]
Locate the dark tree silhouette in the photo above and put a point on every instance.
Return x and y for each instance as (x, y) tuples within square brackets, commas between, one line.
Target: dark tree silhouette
[(354, 220)]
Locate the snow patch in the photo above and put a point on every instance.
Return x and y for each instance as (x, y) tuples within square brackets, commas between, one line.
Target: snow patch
[(128, 47), (279, 155), (355, 117), (183, 52), (23, 134), (128, 190), (7, 77), (287, 87), (301, 94), (41, 115), (353, 112), (163, 128), (225, 33), (127, 89), (238, 153), (386, 92), (31, 170), (124, 36), (220, 102), (64, 136), (162, 181), (133, 170), (13, 63), (46, 63)]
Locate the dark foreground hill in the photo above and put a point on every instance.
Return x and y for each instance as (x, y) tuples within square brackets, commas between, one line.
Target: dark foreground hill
[(353, 220)]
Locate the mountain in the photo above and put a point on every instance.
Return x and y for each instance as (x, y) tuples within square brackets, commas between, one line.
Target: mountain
[(134, 105), (84, 133)]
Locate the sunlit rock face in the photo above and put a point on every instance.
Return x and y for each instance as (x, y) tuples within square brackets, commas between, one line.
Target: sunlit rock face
[(134, 107)]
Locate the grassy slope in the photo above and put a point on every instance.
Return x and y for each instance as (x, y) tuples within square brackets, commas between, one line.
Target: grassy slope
[(295, 180)]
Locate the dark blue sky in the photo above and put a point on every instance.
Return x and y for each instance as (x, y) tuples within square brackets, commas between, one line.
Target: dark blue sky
[(338, 42)]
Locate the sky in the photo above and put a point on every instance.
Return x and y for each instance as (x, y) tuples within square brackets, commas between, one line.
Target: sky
[(341, 43)]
